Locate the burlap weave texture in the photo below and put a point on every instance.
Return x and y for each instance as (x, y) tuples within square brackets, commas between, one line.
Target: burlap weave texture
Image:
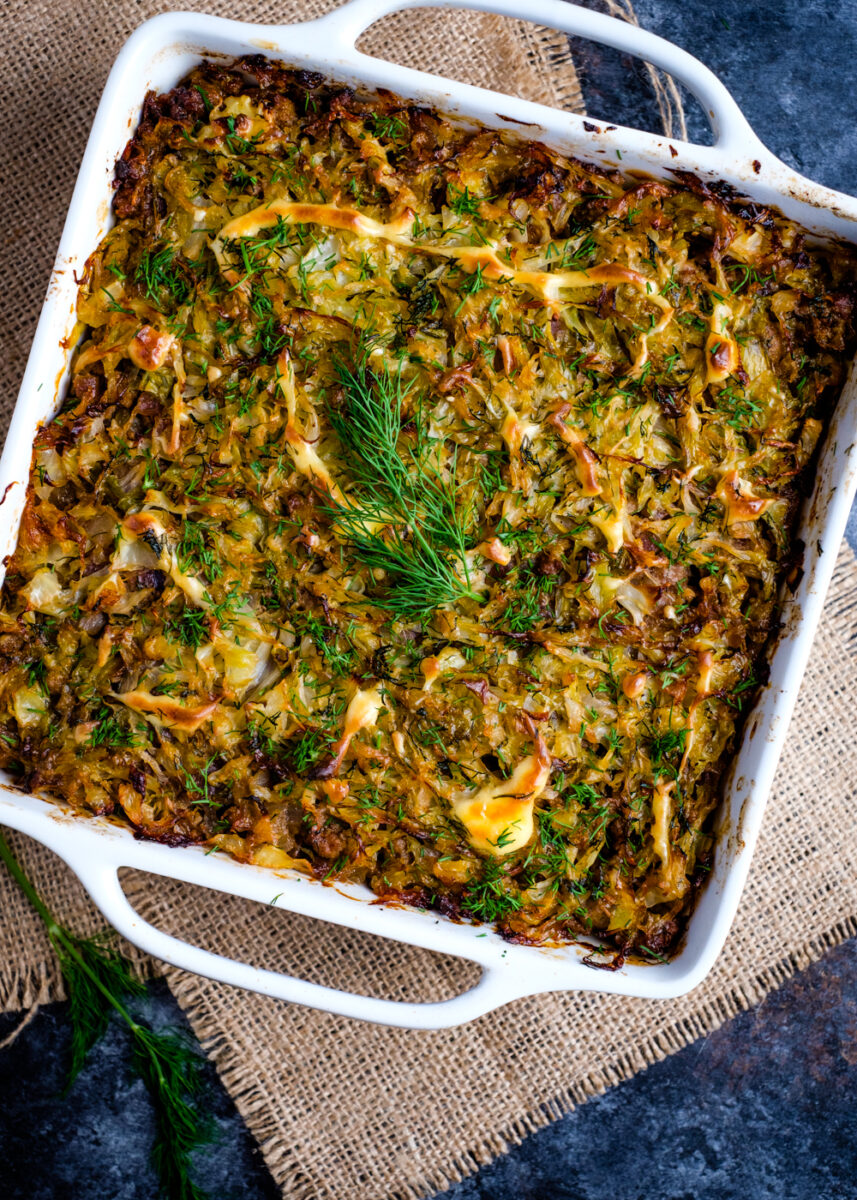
[(342, 1109)]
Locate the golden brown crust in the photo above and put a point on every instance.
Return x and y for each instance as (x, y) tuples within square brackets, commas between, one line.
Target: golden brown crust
[(417, 511)]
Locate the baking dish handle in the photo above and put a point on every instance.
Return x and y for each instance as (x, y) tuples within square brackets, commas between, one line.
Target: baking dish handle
[(731, 131), (494, 989)]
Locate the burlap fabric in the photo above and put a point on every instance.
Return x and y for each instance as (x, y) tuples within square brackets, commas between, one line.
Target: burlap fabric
[(343, 1109)]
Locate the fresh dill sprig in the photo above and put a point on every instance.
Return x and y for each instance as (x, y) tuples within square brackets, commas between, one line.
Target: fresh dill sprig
[(99, 982), (89, 1010), (171, 1068), (404, 515), (422, 578)]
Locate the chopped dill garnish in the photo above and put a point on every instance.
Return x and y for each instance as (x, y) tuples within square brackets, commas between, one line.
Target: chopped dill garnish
[(158, 274), (487, 899), (308, 749), (194, 552), (110, 732), (391, 127), (36, 673), (462, 202), (189, 629), (522, 612), (197, 785)]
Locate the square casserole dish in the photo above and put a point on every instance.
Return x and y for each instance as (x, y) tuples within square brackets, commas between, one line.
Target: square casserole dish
[(156, 57)]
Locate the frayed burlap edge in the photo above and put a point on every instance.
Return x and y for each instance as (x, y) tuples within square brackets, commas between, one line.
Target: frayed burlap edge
[(37, 983)]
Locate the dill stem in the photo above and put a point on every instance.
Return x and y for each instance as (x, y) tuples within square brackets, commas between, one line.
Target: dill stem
[(168, 1070), (17, 872), (56, 933)]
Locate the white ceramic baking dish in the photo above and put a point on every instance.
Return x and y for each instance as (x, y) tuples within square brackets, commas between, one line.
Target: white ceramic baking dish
[(156, 57)]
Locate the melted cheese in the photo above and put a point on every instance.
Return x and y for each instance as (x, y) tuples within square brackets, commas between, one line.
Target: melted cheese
[(499, 817), (706, 672), (634, 685), (303, 454), (168, 712), (738, 503), (546, 285), (722, 356), (309, 462), (149, 349), (295, 213), (662, 814), (586, 463), (362, 712), (514, 433), (613, 529), (704, 687), (180, 412), (507, 355), (494, 549), (449, 659)]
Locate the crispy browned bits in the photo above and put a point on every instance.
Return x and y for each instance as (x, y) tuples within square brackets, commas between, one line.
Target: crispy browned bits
[(417, 510)]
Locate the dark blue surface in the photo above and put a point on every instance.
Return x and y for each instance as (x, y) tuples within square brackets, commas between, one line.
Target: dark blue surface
[(791, 65), (765, 1108), (94, 1143)]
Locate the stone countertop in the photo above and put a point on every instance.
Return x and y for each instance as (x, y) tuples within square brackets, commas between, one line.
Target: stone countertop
[(762, 1109), (790, 64)]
